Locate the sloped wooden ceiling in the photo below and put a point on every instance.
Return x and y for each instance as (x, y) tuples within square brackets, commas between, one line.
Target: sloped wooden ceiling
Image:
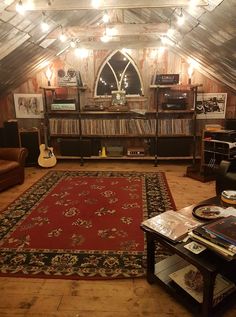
[(208, 35)]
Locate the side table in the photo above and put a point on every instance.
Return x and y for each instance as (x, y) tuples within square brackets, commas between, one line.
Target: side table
[(208, 263)]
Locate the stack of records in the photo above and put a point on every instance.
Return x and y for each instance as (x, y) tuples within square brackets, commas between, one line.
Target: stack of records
[(219, 235)]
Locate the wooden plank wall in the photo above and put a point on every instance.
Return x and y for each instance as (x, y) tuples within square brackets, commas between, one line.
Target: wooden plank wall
[(89, 67)]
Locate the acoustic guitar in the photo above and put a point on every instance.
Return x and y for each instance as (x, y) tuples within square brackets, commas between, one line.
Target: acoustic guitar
[(46, 156)]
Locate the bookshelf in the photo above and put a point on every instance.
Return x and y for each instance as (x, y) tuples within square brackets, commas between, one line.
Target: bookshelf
[(159, 134), (175, 121)]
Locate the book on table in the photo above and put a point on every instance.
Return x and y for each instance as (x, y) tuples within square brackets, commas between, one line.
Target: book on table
[(190, 279), (218, 235), (205, 234), (224, 228), (171, 225), (227, 254)]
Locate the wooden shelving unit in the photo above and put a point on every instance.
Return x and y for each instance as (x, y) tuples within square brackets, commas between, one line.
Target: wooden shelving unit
[(87, 132)]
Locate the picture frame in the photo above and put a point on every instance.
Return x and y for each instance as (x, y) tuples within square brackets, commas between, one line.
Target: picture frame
[(118, 98), (29, 105), (211, 105)]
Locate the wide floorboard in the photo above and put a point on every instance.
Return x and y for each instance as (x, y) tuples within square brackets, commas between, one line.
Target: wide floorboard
[(114, 298)]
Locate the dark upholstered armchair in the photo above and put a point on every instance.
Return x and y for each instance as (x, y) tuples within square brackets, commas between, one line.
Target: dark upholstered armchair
[(12, 163), (226, 176)]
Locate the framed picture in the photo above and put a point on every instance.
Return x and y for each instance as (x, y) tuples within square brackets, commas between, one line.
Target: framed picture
[(118, 98), (211, 105), (28, 105)]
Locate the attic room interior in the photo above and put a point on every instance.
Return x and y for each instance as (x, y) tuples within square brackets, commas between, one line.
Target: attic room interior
[(117, 158)]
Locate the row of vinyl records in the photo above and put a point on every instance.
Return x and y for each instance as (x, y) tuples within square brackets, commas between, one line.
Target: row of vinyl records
[(121, 126)]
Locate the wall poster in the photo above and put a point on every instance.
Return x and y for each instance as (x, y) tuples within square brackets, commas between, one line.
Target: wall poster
[(28, 105), (211, 105)]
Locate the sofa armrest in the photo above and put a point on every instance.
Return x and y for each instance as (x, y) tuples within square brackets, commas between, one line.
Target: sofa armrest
[(222, 180), (223, 167), (14, 154)]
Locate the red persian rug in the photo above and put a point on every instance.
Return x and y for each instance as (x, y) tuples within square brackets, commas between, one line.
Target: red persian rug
[(73, 224)]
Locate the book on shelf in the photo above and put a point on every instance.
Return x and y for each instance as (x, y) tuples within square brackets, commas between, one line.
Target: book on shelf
[(224, 228), (227, 254), (171, 225), (190, 279)]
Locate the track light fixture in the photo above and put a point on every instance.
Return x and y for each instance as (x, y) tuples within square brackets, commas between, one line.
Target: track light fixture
[(44, 23), (181, 18), (105, 17), (20, 7), (62, 36)]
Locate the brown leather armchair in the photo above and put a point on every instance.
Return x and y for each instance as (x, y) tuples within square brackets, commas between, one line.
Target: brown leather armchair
[(226, 176), (12, 163)]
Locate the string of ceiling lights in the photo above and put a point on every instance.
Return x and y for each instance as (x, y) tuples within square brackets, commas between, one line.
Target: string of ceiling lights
[(167, 39)]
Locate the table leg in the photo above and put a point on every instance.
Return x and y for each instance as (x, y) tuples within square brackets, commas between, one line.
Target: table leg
[(208, 290), (150, 258)]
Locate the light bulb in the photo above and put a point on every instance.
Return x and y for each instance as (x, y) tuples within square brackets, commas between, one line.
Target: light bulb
[(105, 38), (81, 52), (96, 4), (181, 18), (72, 44), (170, 32), (20, 7), (63, 37), (105, 18), (44, 26)]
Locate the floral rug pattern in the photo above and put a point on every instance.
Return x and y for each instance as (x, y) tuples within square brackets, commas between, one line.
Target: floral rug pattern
[(81, 225)]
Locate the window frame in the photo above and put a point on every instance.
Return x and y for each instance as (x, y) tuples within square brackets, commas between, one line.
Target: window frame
[(130, 61)]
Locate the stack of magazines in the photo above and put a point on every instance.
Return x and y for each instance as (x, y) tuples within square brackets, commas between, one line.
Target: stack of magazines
[(219, 236)]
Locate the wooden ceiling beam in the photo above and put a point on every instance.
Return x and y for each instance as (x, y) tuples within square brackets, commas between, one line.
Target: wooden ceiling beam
[(45, 5), (121, 30)]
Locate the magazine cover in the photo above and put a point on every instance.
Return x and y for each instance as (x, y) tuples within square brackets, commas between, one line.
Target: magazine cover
[(171, 225), (224, 228)]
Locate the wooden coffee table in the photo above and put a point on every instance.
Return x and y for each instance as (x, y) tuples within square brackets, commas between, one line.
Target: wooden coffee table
[(208, 263)]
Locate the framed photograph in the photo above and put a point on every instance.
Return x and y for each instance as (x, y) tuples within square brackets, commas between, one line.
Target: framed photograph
[(28, 105), (118, 98), (211, 105)]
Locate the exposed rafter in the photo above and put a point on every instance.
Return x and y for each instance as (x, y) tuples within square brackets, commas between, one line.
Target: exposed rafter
[(36, 5), (121, 30)]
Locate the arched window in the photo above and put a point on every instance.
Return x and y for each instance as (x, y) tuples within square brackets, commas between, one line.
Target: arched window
[(118, 73)]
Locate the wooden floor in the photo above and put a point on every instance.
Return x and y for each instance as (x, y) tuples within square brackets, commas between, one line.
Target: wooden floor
[(117, 298)]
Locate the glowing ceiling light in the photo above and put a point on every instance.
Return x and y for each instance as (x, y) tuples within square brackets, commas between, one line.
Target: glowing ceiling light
[(165, 40), (111, 31), (96, 4), (192, 3), (20, 7), (181, 18), (62, 37), (153, 54), (44, 26), (44, 23), (105, 38), (170, 32), (161, 50), (81, 52), (72, 44), (105, 18)]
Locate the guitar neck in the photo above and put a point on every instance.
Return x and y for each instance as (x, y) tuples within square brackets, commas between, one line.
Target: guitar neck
[(45, 138)]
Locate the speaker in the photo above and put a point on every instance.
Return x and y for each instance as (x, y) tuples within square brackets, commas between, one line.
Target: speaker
[(31, 141), (11, 134), (75, 147), (2, 138)]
